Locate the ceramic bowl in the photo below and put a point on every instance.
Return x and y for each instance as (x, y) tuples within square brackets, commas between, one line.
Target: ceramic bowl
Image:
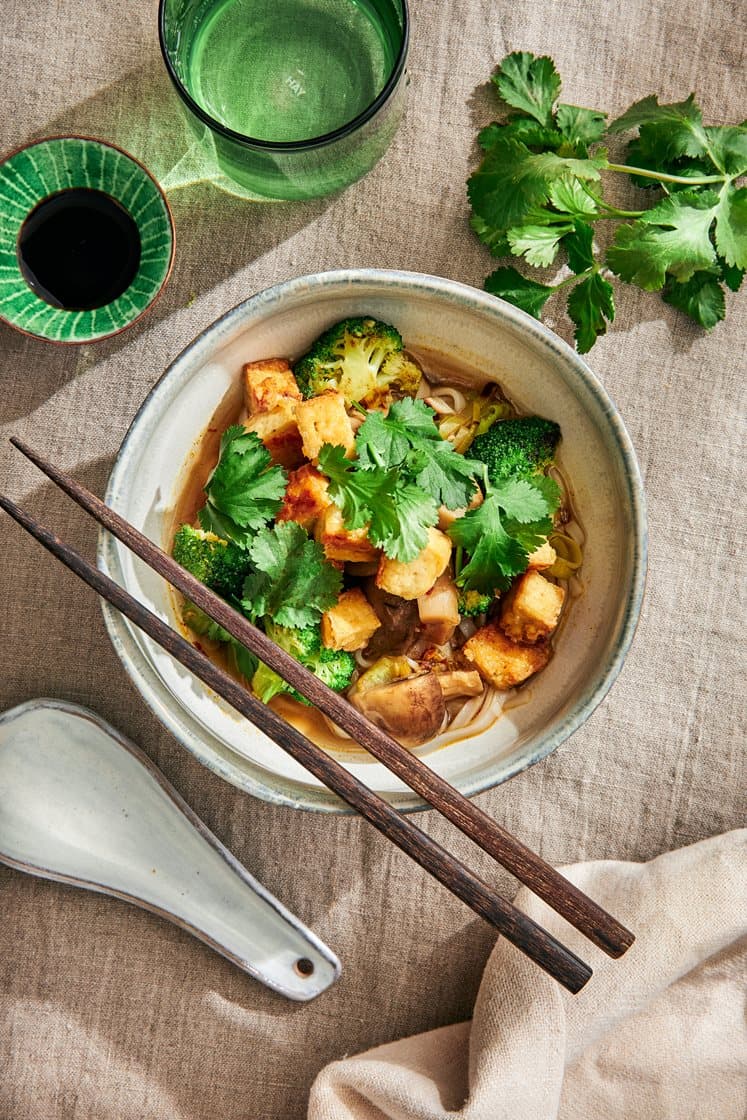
[(538, 371), (45, 168)]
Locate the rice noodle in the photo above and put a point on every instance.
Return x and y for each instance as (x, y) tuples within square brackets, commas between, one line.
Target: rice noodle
[(439, 405), (470, 709), (452, 395), (335, 728), (362, 660)]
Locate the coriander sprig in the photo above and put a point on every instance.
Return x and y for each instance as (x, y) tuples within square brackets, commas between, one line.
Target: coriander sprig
[(540, 190)]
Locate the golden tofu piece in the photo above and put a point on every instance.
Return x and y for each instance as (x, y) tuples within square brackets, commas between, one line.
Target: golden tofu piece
[(532, 608), (350, 623), (411, 580), (542, 557), (306, 497), (340, 543), (501, 662), (278, 431), (267, 382), (323, 419)]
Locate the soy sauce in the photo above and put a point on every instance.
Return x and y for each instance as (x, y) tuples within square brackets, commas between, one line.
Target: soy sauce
[(79, 249)]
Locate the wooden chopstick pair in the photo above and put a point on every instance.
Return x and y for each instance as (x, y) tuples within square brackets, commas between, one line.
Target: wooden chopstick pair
[(594, 922)]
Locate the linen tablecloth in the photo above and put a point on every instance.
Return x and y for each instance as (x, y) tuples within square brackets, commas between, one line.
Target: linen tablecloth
[(109, 1013)]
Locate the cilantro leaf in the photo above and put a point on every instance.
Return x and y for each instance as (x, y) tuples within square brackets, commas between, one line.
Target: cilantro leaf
[(407, 437), (570, 196), (512, 180), (731, 226), (731, 275), (498, 534), (245, 489), (495, 239), (509, 284), (591, 305), (684, 123), (671, 237), (580, 127), (398, 513), (579, 247), (529, 84), (531, 133), (701, 297), (293, 583), (384, 441), (538, 244), (727, 147)]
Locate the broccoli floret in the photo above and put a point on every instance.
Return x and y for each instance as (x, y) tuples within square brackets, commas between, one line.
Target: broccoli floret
[(362, 358), (473, 602), (196, 619), (242, 659), (220, 564), (517, 448), (334, 667)]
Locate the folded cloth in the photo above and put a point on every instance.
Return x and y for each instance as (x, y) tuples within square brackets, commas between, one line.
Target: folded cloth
[(656, 1035)]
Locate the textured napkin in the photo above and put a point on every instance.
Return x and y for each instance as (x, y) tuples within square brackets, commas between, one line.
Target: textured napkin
[(657, 1035)]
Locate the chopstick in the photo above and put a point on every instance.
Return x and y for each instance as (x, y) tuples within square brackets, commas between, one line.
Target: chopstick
[(529, 868), (563, 965)]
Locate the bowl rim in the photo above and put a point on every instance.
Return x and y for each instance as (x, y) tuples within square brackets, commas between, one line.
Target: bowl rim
[(245, 141), (167, 707), (7, 156)]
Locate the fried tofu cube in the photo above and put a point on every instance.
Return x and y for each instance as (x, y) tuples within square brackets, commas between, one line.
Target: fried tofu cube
[(531, 609), (501, 662), (323, 419), (343, 544), (278, 431), (350, 623), (306, 497), (267, 382), (412, 579), (542, 557)]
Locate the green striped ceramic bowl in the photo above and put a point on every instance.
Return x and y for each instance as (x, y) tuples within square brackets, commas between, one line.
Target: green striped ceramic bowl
[(34, 173)]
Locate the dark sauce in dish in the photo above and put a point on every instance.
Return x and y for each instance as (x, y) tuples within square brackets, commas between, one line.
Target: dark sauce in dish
[(79, 249)]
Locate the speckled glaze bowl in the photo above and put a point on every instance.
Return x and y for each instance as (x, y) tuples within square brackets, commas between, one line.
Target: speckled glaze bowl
[(537, 370), (44, 168)]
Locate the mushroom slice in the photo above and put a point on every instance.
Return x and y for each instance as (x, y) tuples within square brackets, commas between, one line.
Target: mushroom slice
[(412, 710), (460, 682)]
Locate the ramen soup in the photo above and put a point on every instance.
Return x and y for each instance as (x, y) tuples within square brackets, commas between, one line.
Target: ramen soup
[(391, 520)]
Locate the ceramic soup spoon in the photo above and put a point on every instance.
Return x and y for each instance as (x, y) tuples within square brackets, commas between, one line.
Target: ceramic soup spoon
[(80, 804)]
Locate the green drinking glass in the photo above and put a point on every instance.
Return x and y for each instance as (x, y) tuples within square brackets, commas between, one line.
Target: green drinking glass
[(298, 98)]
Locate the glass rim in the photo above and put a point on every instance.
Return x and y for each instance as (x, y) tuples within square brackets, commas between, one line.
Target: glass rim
[(340, 133)]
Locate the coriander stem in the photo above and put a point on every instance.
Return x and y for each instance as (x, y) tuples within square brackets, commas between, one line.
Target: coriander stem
[(575, 277), (660, 176)]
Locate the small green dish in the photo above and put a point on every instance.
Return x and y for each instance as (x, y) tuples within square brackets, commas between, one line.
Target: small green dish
[(45, 169)]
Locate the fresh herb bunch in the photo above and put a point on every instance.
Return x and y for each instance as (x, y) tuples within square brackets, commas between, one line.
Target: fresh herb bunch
[(404, 469), (539, 189), (514, 519)]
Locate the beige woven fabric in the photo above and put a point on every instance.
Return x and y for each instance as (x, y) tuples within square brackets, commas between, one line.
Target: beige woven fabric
[(107, 1013), (657, 1035)]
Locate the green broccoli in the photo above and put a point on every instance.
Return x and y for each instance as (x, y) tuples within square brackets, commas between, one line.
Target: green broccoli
[(517, 448), (363, 358), (195, 618), (242, 660), (220, 564), (334, 667), (473, 602)]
